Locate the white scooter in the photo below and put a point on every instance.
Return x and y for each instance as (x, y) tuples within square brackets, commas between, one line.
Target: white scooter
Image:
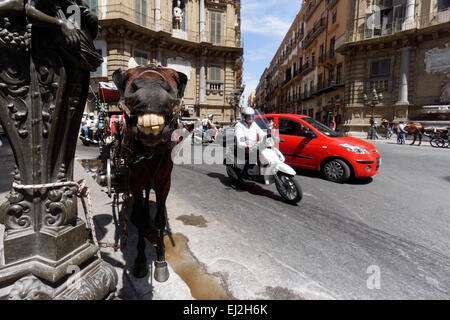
[(270, 169), (203, 137)]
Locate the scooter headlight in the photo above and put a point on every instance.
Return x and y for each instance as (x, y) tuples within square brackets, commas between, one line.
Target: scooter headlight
[(280, 155), (270, 143)]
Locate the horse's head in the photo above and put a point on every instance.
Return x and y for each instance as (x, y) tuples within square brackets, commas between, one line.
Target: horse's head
[(151, 98)]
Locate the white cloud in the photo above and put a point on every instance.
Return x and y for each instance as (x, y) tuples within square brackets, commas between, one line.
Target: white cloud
[(268, 20), (270, 26)]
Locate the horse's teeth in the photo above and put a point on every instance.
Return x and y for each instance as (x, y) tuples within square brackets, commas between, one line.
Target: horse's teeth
[(150, 120)]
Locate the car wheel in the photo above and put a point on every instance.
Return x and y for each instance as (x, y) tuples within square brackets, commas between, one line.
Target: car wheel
[(336, 170)]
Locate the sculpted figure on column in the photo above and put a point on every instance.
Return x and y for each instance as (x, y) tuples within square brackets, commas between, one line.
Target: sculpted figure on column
[(178, 15)]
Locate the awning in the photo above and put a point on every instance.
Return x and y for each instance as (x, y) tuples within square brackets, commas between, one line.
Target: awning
[(107, 92)]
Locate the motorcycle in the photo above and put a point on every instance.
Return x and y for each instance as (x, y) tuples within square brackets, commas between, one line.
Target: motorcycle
[(203, 137), (98, 134), (91, 137), (269, 169)]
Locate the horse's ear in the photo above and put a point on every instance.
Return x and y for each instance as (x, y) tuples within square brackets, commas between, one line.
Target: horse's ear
[(119, 81), (182, 81)]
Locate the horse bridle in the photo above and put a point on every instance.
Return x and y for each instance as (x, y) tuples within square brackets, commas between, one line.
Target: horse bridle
[(166, 138), (150, 71)]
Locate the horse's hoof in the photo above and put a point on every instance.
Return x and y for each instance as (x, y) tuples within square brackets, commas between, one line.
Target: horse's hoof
[(140, 270), (161, 271)]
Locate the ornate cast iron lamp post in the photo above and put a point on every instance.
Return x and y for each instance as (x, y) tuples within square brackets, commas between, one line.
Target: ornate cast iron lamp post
[(234, 99), (376, 99), (45, 64)]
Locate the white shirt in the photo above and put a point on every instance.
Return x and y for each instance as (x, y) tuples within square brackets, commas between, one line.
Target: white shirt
[(91, 123), (246, 135)]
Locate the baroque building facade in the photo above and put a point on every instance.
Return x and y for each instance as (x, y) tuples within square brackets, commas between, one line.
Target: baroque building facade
[(201, 38), (400, 48), (337, 51), (306, 75)]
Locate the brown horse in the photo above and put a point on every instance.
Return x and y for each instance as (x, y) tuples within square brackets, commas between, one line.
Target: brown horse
[(412, 128), (151, 98)]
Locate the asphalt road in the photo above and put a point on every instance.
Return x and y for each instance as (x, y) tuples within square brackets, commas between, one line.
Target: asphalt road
[(397, 223)]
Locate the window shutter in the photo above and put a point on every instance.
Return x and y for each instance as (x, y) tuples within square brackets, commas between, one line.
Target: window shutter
[(219, 28), (137, 9), (144, 12), (185, 17), (212, 25)]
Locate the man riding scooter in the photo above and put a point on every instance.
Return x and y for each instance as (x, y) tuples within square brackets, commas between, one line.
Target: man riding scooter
[(247, 132)]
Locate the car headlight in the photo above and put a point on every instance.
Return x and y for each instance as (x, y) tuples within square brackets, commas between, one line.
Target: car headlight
[(354, 149)]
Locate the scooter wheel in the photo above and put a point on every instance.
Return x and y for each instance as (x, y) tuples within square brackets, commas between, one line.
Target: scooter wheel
[(289, 188)]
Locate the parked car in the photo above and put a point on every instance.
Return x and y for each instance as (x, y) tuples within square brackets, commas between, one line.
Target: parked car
[(309, 144), (2, 131)]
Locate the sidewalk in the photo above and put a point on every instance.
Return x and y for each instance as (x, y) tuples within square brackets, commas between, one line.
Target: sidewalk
[(128, 287), (393, 140)]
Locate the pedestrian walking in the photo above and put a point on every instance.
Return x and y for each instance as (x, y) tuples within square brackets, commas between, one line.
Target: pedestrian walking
[(375, 130), (388, 131), (401, 133), (333, 125)]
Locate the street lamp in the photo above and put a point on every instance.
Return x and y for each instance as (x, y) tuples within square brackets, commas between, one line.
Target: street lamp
[(234, 99), (376, 99)]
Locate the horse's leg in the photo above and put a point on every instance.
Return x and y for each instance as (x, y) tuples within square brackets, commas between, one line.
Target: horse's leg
[(162, 187), (415, 136), (420, 137), (140, 269)]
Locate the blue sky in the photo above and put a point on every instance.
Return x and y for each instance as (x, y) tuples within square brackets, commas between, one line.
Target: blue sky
[(264, 23)]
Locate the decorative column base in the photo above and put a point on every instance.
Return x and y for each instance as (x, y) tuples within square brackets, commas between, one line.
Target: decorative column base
[(92, 280)]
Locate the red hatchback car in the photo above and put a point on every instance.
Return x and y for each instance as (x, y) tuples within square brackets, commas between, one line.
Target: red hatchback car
[(309, 144)]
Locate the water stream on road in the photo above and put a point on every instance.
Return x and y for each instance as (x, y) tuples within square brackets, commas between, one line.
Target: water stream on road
[(180, 258)]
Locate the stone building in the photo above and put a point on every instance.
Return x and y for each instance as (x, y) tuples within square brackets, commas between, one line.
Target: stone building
[(251, 99), (306, 75), (338, 51), (400, 48), (201, 38)]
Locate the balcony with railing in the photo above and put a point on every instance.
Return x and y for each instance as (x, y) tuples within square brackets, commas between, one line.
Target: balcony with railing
[(312, 7), (381, 85), (130, 15), (319, 26), (325, 86), (214, 87), (307, 68), (395, 26)]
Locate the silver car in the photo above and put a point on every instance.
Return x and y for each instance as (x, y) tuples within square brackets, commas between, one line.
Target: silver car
[(226, 136)]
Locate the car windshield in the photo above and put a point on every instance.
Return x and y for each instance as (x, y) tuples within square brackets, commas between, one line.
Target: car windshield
[(322, 128)]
